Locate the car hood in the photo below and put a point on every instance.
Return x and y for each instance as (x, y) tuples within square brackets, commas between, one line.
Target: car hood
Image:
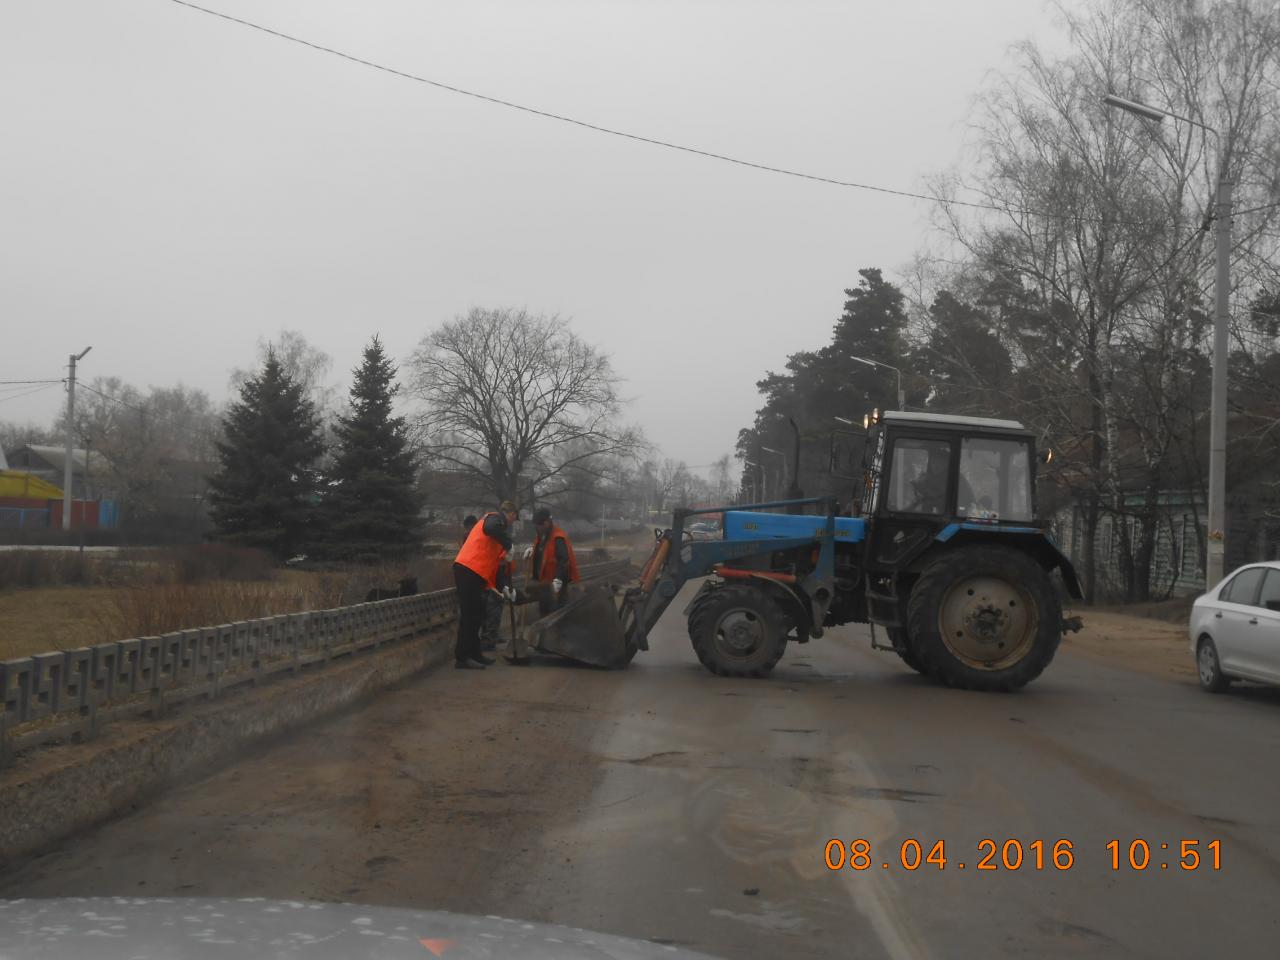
[(195, 929)]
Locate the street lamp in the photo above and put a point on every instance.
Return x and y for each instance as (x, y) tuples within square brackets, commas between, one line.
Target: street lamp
[(755, 478), (71, 421), (783, 456), (1215, 550), (902, 403)]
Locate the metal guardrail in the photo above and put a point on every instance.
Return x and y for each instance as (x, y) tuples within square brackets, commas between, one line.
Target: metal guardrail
[(71, 694)]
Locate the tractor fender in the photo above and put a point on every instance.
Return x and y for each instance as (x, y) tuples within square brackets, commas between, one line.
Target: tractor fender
[(787, 596), (1030, 540)]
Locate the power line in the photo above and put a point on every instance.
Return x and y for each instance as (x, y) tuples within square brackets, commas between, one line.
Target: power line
[(150, 415), (5, 383), (27, 393), (650, 140), (106, 396)]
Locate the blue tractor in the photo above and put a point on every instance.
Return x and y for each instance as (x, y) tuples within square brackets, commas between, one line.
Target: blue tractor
[(940, 549)]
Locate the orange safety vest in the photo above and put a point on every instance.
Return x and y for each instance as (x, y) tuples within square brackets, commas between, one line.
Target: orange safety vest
[(548, 571), (481, 554)]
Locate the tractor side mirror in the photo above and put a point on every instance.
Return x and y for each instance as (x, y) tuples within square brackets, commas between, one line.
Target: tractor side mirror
[(845, 454)]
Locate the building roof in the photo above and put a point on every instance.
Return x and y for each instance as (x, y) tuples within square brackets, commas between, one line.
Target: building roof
[(948, 419), (25, 485), (55, 457)]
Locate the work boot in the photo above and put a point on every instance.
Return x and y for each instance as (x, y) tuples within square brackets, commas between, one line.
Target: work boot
[(467, 665), (481, 658)]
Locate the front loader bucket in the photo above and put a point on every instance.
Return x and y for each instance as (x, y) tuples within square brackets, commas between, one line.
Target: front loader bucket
[(586, 628)]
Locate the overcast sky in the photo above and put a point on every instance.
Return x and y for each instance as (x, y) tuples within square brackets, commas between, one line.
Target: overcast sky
[(174, 186)]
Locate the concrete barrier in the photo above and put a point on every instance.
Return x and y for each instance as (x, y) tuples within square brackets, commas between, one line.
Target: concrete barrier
[(52, 792)]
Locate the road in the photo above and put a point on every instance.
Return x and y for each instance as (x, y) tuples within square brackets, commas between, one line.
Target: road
[(667, 804)]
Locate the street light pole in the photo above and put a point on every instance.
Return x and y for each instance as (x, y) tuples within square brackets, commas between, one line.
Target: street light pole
[(71, 421), (755, 479), (902, 403), (783, 457), (1216, 545)]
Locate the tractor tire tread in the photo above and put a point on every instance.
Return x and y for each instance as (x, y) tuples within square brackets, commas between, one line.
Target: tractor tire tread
[(922, 618), (704, 610)]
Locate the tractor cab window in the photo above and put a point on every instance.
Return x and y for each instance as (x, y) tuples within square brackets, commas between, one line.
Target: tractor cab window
[(995, 480), (918, 478)]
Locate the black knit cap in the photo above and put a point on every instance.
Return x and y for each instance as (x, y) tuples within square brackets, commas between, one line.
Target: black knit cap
[(541, 515)]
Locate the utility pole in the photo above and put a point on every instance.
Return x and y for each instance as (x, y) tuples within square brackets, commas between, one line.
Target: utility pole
[(1217, 543), (71, 428)]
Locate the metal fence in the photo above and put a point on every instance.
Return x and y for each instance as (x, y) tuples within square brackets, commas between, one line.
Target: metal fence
[(70, 694)]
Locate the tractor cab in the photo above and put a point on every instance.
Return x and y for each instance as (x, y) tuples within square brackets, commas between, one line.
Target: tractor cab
[(928, 476)]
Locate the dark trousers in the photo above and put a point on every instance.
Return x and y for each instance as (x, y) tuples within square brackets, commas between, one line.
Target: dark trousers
[(494, 607), (472, 591)]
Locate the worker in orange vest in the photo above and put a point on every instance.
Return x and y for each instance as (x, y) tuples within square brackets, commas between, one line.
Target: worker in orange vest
[(552, 567), (475, 574)]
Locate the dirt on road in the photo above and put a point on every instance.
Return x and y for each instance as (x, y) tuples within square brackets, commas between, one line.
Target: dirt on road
[(1154, 647)]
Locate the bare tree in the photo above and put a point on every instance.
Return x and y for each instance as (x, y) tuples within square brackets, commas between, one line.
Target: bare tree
[(1098, 263), (14, 435), (675, 484), (303, 363), (722, 484), (144, 447), (515, 400)]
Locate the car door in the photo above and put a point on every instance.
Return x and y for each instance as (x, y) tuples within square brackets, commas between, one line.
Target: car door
[(1230, 626), (1262, 638)]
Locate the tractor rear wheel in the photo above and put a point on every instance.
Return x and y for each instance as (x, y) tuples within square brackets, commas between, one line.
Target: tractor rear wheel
[(737, 630), (903, 648), (984, 617)]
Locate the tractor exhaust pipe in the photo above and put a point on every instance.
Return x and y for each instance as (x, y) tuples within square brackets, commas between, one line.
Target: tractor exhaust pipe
[(794, 492)]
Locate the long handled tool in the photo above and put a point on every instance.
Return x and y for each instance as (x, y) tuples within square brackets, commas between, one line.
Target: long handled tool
[(512, 608)]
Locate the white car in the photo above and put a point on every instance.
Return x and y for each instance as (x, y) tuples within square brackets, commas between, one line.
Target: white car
[(1235, 628)]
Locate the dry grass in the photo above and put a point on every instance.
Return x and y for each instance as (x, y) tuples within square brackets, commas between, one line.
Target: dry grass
[(50, 618), (62, 618), (38, 568), (145, 595), (149, 611)]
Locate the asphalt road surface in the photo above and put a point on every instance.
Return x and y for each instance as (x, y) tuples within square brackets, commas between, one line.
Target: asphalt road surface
[(667, 804)]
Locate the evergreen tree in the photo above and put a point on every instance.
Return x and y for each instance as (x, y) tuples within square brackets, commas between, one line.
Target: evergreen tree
[(963, 366), (819, 386), (264, 491), (371, 508)]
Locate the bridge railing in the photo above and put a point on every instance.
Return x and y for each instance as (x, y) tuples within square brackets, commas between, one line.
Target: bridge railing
[(70, 694)]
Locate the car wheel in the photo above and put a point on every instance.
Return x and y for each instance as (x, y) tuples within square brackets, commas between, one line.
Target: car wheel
[(1211, 676)]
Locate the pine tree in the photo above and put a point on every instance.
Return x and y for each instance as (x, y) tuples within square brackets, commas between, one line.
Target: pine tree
[(264, 491), (371, 509)]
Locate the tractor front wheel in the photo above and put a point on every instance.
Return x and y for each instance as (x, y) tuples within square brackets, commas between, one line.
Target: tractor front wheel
[(737, 631), (984, 617)]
